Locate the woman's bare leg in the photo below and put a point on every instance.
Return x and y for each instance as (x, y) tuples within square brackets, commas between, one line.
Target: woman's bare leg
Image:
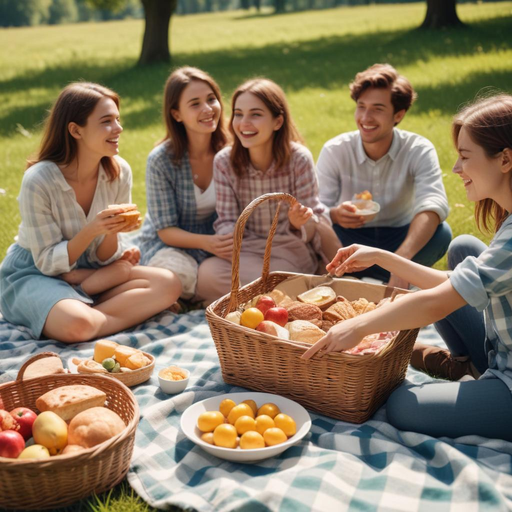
[(149, 291)]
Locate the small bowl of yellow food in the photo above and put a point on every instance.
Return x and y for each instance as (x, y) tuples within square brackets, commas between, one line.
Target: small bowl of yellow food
[(173, 379)]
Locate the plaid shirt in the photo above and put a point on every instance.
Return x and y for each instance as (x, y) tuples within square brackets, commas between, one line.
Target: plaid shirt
[(234, 192), (171, 202), (486, 284), (405, 181), (51, 216)]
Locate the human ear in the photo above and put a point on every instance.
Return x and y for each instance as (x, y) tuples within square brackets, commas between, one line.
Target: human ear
[(176, 115), (398, 116), (74, 130), (279, 120), (506, 160)]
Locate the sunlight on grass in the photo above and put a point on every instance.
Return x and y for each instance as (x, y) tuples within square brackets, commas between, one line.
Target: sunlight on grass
[(313, 55)]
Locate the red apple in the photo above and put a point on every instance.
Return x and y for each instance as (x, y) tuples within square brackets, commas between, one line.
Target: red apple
[(7, 422), (25, 418), (278, 315), (274, 329), (265, 303), (11, 444)]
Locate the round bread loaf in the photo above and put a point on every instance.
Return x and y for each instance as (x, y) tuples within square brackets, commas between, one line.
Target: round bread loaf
[(94, 426)]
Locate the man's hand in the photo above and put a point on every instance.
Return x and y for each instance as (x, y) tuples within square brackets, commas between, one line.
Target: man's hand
[(346, 216)]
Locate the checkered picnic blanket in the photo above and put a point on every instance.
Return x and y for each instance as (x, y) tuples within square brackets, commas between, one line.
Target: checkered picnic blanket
[(338, 466)]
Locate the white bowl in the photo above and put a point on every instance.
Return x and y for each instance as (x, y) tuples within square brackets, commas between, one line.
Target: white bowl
[(366, 208), (293, 409), (171, 387)]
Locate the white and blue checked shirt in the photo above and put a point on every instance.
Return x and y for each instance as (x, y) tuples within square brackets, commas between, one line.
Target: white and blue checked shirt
[(171, 202), (51, 215), (405, 181), (486, 284)]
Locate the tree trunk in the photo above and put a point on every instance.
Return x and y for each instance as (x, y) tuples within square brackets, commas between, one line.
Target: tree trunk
[(155, 45), (279, 6), (441, 14)]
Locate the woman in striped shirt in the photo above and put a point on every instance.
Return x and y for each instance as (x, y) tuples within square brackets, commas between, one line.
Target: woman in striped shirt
[(266, 156), (472, 305), (67, 231)]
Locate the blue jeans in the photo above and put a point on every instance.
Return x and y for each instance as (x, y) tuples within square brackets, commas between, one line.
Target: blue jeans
[(454, 409), (390, 239)]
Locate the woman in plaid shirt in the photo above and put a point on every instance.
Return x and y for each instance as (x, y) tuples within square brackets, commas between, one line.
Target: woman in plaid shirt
[(68, 277), (266, 156), (472, 305), (178, 229)]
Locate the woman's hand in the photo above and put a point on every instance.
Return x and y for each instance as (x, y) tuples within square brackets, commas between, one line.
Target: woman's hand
[(132, 255), (341, 336), (106, 222), (353, 258), (220, 245), (298, 215)]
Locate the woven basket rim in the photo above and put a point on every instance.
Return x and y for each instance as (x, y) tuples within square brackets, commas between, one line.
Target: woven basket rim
[(88, 452)]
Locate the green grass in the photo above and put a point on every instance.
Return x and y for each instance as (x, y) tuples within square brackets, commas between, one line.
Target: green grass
[(313, 55)]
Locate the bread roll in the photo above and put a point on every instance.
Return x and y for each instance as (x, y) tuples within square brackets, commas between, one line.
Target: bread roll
[(341, 310), (302, 330), (68, 401), (46, 366), (302, 311), (94, 426)]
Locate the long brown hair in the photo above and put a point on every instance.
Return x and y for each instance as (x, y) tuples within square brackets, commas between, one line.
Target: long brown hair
[(489, 124), (176, 134), (75, 104), (275, 100)]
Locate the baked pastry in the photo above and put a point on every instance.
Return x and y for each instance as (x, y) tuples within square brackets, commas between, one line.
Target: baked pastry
[(46, 366), (341, 310), (302, 330), (362, 305), (94, 426), (130, 213), (321, 296), (365, 195), (301, 311), (68, 401)]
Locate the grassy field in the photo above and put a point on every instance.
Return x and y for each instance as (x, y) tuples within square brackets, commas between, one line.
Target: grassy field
[(313, 55)]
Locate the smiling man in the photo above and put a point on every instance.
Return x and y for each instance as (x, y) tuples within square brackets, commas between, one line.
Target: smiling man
[(399, 168)]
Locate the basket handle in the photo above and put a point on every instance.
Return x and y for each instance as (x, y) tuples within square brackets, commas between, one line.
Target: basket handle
[(237, 242), (31, 360)]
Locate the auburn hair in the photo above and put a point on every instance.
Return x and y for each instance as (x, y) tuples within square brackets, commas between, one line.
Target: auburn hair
[(176, 135), (385, 76), (275, 100), (488, 122), (75, 104)]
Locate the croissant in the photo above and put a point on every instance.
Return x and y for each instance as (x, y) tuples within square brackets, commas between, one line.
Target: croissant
[(341, 310)]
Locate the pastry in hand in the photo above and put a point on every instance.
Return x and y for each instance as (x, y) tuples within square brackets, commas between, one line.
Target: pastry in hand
[(129, 213)]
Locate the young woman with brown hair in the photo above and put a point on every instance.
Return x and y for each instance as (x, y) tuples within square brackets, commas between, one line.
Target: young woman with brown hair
[(178, 230), (472, 305), (266, 156), (67, 230)]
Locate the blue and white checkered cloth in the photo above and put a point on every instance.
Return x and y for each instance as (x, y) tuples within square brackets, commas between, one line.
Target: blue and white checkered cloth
[(338, 466)]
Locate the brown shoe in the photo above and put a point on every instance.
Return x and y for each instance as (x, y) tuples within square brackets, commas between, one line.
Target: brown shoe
[(440, 363)]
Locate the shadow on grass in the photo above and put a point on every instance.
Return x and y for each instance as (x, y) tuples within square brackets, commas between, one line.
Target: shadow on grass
[(328, 63)]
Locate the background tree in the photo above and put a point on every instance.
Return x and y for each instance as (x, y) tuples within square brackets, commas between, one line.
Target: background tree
[(62, 11), (19, 13), (441, 14), (279, 6)]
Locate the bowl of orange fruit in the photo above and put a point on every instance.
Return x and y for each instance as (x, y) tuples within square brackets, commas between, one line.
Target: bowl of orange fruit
[(245, 427)]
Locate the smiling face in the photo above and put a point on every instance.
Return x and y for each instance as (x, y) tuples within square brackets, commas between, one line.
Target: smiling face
[(483, 177), (100, 135), (199, 109), (253, 123), (375, 116)]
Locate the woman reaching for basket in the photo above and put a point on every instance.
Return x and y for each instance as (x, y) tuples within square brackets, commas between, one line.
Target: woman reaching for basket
[(67, 230), (266, 156), (480, 286), (178, 229)]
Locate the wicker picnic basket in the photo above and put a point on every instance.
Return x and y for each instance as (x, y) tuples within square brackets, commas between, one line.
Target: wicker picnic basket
[(340, 385), (64, 479)]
